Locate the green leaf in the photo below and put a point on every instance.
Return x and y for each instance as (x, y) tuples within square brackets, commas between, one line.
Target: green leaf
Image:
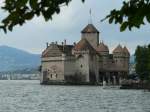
[(57, 10), (123, 26), (29, 16), (10, 28), (111, 19), (47, 15), (21, 3), (34, 4), (13, 16), (3, 28), (148, 18)]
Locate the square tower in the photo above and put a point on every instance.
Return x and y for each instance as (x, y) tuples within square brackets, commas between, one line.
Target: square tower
[(91, 34)]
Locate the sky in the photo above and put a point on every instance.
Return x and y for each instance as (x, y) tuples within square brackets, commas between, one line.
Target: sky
[(33, 35)]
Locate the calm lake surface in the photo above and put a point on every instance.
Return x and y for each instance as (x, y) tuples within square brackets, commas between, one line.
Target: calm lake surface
[(30, 96)]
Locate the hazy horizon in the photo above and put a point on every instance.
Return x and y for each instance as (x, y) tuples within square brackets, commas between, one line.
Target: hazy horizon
[(32, 36)]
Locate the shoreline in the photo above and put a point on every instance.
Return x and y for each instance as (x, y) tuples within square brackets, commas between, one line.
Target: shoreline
[(142, 86)]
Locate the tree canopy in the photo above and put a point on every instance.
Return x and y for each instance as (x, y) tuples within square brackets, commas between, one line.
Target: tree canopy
[(131, 14), (142, 60)]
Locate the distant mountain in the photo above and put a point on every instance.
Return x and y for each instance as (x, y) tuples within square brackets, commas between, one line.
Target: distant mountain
[(132, 59), (12, 59)]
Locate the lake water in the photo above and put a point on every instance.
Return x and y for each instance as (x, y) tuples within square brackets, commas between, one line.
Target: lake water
[(30, 96)]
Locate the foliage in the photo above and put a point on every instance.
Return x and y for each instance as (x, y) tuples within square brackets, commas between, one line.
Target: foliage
[(132, 13), (143, 62), (20, 11)]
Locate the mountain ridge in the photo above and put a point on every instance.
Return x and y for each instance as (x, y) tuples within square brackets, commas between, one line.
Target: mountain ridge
[(16, 59)]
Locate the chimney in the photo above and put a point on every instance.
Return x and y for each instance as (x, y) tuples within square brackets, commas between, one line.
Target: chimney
[(62, 43), (46, 44), (65, 42)]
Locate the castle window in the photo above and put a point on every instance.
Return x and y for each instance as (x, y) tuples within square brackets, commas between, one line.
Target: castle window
[(51, 75), (81, 65)]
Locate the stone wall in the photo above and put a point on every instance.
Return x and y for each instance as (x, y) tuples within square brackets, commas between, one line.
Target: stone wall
[(92, 38), (82, 66), (53, 67), (93, 68), (69, 66)]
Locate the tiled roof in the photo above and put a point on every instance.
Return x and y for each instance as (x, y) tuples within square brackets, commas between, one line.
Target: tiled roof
[(126, 50), (90, 28), (55, 50), (83, 44), (118, 49), (102, 48)]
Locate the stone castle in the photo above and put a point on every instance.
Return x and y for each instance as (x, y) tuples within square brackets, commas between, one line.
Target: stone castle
[(85, 62)]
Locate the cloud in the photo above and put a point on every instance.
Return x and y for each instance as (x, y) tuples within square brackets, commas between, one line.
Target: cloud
[(67, 25), (62, 21), (1, 3)]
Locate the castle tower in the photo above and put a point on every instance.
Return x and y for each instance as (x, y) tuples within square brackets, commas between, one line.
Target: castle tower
[(118, 56), (126, 58), (126, 52), (102, 49), (91, 34)]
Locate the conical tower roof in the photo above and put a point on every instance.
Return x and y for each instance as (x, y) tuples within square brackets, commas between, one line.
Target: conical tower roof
[(126, 50), (83, 44), (102, 48), (118, 49), (90, 28)]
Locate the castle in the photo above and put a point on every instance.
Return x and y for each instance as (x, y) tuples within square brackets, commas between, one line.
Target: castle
[(85, 62)]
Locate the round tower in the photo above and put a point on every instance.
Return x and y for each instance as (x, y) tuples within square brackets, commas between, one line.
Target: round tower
[(118, 56), (102, 49), (126, 52)]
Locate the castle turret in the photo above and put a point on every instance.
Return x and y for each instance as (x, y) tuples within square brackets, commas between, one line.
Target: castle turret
[(118, 56), (126, 58), (118, 51), (102, 49), (91, 34), (126, 52)]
